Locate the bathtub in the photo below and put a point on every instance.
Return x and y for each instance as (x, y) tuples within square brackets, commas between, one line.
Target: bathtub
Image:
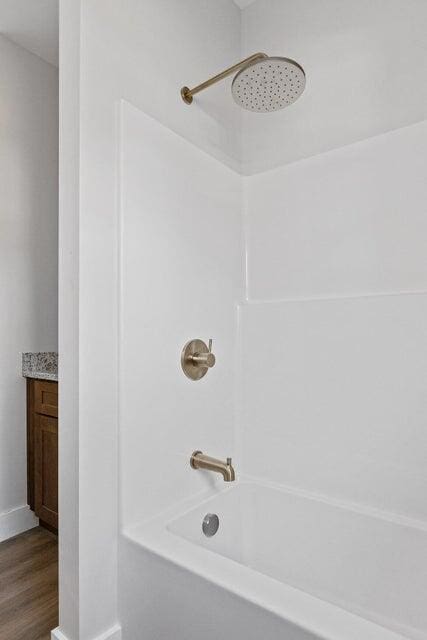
[(283, 565)]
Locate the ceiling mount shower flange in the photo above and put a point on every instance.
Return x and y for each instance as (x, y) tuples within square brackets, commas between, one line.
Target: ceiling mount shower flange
[(262, 83)]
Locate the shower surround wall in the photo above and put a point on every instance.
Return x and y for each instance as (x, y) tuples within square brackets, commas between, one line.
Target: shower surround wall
[(334, 334), (184, 245)]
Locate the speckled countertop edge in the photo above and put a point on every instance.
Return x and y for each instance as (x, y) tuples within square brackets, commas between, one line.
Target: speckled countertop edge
[(41, 375), (41, 366)]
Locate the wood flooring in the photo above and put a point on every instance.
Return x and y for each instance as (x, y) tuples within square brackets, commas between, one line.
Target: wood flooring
[(29, 586)]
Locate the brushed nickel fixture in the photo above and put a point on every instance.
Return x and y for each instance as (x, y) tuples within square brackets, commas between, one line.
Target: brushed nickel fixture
[(198, 460), (262, 84), (197, 358)]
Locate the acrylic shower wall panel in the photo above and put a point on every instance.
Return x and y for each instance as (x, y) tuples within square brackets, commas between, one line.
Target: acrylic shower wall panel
[(181, 274), (335, 398), (347, 222), (364, 63)]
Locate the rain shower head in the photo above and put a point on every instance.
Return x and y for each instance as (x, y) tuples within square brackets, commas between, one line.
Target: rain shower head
[(268, 84), (262, 83)]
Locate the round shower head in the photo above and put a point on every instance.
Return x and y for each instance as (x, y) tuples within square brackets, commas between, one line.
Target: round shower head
[(269, 84)]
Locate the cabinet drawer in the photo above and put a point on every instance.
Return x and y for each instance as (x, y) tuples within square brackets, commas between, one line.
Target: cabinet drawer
[(46, 398), (46, 469)]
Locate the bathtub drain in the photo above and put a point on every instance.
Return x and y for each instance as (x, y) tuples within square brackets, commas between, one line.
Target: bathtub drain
[(210, 524)]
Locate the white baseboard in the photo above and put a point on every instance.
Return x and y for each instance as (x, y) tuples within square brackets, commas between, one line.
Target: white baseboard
[(115, 633), (16, 521)]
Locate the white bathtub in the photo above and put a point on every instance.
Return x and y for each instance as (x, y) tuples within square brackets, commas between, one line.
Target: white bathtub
[(282, 565)]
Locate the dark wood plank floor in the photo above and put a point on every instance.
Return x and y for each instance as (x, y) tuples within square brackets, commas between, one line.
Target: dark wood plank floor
[(29, 586)]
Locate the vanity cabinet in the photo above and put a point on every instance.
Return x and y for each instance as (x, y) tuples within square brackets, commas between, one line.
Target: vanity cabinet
[(42, 450)]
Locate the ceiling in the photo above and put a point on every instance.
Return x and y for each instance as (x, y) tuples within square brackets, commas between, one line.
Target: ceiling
[(243, 3), (33, 24)]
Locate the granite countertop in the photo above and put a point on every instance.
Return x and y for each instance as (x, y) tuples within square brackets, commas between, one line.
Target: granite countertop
[(42, 365)]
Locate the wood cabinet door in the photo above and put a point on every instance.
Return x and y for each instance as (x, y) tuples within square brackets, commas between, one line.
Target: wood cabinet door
[(46, 469), (46, 397)]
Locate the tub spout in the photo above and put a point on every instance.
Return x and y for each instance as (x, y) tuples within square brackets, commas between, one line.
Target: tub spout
[(199, 461)]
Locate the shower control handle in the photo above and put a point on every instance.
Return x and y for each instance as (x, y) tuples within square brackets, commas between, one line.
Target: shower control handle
[(197, 358), (206, 359)]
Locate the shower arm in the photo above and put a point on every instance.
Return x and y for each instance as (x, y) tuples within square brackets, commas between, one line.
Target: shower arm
[(187, 94)]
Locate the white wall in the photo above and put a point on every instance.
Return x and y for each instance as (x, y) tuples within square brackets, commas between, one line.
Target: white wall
[(68, 274), (334, 398), (142, 52), (364, 62), (28, 253)]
